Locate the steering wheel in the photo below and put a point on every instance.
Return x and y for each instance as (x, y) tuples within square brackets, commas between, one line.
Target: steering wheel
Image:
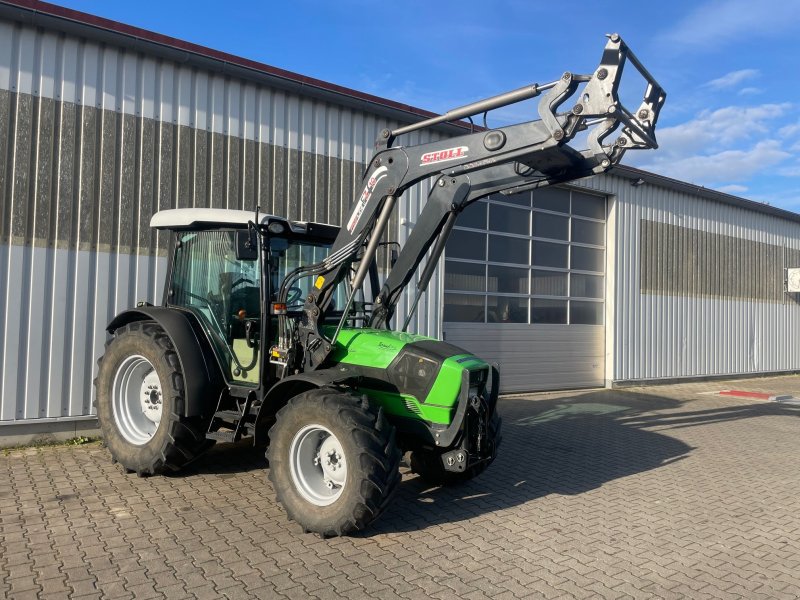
[(295, 293), (240, 281)]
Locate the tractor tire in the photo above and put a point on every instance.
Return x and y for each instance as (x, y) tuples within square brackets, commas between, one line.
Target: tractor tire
[(140, 402), (428, 463), (333, 461)]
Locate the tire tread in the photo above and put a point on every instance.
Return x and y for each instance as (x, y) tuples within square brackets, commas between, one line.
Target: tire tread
[(184, 440), (378, 458)]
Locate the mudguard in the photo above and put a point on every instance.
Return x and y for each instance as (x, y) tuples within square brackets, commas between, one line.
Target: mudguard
[(202, 377), (280, 393)]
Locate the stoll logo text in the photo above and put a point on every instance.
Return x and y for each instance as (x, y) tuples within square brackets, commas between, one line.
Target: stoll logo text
[(444, 155)]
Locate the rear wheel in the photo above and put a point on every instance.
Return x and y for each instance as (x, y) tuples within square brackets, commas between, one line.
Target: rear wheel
[(140, 402), (333, 461)]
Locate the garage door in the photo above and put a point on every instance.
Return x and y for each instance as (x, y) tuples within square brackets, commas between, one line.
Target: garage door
[(525, 287)]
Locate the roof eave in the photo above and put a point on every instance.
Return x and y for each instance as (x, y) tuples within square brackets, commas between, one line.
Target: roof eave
[(51, 16), (633, 174)]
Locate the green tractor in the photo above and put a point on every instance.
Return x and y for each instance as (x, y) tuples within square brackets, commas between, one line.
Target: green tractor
[(281, 331)]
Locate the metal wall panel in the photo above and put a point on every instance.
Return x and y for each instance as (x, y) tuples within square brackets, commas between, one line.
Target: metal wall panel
[(681, 261), (541, 357), (94, 139), (681, 333)]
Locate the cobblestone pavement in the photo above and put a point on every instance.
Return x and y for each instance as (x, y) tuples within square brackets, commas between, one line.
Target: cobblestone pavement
[(647, 492)]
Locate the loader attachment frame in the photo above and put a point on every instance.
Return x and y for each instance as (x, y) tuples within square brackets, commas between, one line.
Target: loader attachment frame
[(469, 167)]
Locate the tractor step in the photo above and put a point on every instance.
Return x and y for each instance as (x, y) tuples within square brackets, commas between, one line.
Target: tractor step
[(238, 422), (238, 391), (230, 416), (221, 436)]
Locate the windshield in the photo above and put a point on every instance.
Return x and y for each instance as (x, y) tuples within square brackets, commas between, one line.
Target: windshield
[(289, 254)]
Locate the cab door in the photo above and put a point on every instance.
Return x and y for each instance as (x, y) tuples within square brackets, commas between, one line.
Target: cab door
[(224, 293)]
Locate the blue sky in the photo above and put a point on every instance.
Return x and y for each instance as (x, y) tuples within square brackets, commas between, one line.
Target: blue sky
[(731, 68)]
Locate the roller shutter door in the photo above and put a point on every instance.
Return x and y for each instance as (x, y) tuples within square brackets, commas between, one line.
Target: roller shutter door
[(525, 287)]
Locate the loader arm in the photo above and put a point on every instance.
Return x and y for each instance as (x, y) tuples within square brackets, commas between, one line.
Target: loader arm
[(448, 198), (470, 167)]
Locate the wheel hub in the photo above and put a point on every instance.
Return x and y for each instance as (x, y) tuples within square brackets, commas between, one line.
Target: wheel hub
[(334, 467), (151, 397), (137, 400), (318, 465)]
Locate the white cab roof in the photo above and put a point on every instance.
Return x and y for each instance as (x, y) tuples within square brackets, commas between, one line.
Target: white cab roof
[(177, 218), (182, 218)]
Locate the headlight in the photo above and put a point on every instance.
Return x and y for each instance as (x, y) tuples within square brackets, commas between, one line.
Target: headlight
[(276, 227), (413, 374)]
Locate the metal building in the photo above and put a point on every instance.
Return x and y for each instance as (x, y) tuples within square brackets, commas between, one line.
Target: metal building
[(622, 278), (102, 124)]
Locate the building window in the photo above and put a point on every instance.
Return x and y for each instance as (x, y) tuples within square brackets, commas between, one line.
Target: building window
[(548, 311), (533, 258)]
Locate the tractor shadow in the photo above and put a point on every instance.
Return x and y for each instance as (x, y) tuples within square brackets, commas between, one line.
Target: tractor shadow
[(567, 445), (226, 460)]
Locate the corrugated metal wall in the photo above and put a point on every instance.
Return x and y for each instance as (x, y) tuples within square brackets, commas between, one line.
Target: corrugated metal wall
[(697, 327), (93, 140), (537, 357)]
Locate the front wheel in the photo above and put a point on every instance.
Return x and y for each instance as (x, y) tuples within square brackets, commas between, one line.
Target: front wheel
[(333, 461), (140, 402)]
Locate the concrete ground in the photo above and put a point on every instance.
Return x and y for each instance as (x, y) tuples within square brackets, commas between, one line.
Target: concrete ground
[(646, 492)]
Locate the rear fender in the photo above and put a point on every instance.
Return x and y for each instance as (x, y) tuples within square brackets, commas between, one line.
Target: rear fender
[(203, 379)]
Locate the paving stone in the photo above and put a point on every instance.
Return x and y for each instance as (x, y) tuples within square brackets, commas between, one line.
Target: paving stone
[(644, 492)]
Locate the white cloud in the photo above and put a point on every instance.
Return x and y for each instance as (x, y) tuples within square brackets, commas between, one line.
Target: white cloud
[(720, 167), (790, 131), (732, 79), (750, 91), (732, 188), (719, 129), (791, 170), (726, 148), (718, 22)]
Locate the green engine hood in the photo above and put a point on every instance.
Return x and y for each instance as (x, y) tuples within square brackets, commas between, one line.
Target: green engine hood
[(375, 352), (375, 348)]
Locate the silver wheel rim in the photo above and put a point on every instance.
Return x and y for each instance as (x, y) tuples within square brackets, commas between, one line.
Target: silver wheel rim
[(318, 465), (137, 400)]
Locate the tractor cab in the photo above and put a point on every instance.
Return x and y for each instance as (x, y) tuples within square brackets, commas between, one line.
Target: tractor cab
[(227, 276)]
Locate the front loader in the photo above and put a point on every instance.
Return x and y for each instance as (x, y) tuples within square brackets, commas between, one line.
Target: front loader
[(282, 332)]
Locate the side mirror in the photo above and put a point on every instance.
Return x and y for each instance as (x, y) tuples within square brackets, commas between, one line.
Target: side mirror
[(246, 244)]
